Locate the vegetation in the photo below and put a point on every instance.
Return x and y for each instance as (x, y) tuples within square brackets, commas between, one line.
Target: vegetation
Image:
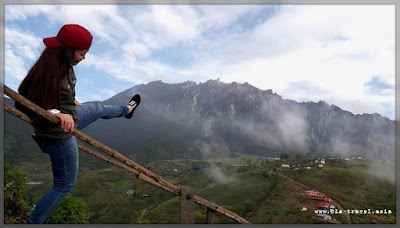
[(241, 183), (354, 186), (16, 209), (70, 211)]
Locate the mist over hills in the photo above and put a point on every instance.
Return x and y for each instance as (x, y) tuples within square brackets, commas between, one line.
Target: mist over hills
[(216, 119)]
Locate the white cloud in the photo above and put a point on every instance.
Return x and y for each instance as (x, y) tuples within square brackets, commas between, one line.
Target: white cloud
[(338, 48), (22, 12), (334, 48), (23, 42), (21, 48), (14, 65), (101, 94)]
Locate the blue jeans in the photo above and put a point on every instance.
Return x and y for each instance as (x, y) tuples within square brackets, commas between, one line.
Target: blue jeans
[(64, 156)]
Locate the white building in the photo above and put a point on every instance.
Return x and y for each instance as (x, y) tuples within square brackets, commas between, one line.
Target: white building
[(323, 217)]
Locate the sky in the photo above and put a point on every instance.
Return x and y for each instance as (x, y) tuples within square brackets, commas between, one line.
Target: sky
[(341, 54)]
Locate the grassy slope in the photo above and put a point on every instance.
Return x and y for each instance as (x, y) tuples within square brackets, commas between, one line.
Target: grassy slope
[(350, 183), (251, 192)]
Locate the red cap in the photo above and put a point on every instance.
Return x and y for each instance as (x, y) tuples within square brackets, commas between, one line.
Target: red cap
[(71, 35)]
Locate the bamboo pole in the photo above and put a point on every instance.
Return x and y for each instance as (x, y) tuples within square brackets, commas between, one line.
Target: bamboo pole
[(88, 139), (144, 174), (138, 174)]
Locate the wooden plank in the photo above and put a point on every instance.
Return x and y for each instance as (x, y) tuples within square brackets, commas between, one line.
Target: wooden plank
[(187, 207)]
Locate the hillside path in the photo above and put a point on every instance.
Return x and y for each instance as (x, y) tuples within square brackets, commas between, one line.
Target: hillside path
[(338, 206)]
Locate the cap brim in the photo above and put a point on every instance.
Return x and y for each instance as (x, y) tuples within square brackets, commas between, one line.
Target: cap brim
[(52, 42)]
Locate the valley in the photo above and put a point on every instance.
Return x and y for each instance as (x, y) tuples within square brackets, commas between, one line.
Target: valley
[(244, 184)]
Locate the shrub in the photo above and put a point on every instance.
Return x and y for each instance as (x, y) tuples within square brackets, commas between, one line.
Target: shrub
[(70, 211), (16, 209)]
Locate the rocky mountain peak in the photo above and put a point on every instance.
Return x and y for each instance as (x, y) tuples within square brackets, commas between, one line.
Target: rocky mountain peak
[(260, 121)]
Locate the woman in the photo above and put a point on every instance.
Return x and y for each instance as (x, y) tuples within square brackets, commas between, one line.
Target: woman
[(50, 83)]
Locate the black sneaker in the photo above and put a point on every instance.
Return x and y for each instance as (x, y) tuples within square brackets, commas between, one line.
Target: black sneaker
[(134, 102)]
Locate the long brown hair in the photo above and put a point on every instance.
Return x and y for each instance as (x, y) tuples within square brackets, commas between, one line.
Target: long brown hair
[(42, 84)]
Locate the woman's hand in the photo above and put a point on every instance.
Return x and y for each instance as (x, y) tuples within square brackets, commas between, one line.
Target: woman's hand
[(67, 122)]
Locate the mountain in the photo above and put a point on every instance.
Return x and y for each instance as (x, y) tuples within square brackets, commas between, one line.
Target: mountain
[(216, 119)]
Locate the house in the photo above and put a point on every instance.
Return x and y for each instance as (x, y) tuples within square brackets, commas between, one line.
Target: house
[(326, 199), (311, 194), (323, 217), (176, 170), (308, 167), (320, 166), (314, 195), (326, 206), (303, 209), (285, 166), (359, 158), (129, 192)]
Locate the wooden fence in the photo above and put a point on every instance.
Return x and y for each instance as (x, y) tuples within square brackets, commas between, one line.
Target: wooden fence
[(187, 198)]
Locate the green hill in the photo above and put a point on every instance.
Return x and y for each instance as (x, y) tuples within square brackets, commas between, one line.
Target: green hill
[(242, 184)]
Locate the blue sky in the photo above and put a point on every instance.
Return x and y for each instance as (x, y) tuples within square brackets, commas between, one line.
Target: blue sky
[(342, 54)]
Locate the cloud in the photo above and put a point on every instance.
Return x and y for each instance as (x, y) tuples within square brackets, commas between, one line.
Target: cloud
[(330, 46), (336, 49), (22, 12), (14, 65), (213, 171), (157, 32), (379, 87), (102, 94), (294, 130), (384, 170), (215, 150), (21, 48)]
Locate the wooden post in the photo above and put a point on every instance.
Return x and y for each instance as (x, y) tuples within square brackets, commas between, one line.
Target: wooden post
[(187, 207), (210, 216)]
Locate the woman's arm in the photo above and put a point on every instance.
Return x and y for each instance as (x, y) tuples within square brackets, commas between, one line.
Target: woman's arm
[(67, 122)]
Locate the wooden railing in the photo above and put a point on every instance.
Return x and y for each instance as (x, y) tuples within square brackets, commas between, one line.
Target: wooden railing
[(187, 198)]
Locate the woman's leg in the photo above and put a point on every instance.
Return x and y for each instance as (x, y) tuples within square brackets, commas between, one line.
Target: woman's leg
[(64, 156), (89, 112)]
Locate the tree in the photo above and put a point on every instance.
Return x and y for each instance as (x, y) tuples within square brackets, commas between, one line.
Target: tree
[(284, 156)]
